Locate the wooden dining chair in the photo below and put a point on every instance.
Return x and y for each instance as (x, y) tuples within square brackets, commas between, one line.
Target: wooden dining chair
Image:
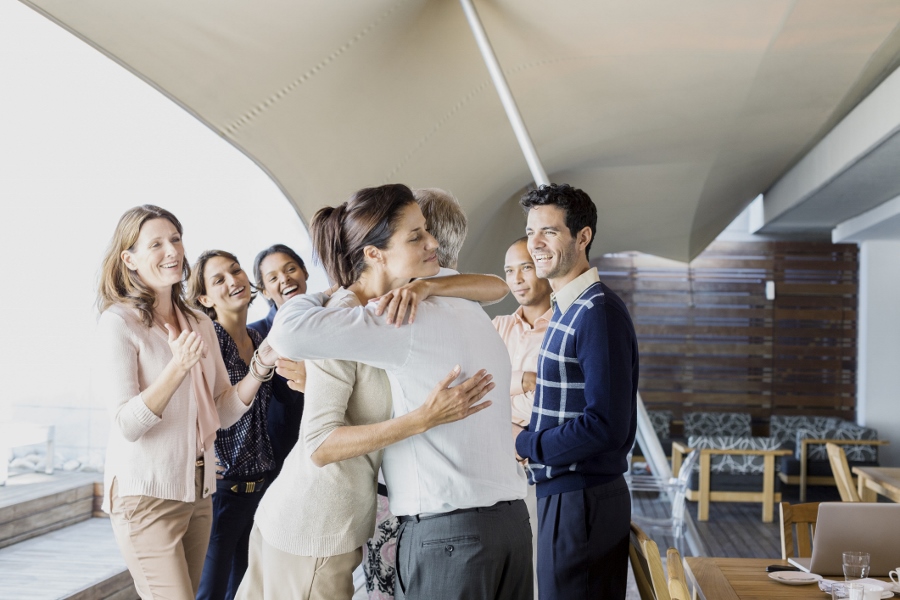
[(841, 471), (798, 522), (678, 589), (639, 563), (657, 574)]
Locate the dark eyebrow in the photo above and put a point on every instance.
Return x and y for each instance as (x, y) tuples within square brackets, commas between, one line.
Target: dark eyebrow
[(219, 273)]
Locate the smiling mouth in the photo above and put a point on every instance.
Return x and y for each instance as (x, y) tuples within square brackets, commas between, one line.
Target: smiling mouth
[(240, 290), (289, 290), (170, 265)]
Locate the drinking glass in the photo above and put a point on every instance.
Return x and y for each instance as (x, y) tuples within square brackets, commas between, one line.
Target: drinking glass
[(856, 565), (847, 591)]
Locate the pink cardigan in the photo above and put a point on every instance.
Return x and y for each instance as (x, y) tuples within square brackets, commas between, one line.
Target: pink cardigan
[(150, 455)]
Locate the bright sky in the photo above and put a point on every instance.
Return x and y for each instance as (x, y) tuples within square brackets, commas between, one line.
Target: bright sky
[(81, 141)]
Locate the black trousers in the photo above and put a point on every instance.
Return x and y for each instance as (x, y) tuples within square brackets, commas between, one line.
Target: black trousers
[(483, 554), (583, 543), (226, 557)]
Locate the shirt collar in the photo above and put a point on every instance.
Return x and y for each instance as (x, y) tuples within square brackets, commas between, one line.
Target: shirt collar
[(564, 298), (521, 319)]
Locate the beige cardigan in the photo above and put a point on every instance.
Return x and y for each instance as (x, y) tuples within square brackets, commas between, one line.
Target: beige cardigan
[(313, 511), (146, 454)]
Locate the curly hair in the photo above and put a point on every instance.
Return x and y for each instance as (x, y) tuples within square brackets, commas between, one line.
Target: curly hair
[(578, 206)]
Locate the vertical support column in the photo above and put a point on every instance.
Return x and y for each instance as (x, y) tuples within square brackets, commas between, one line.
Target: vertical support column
[(506, 97), (878, 346)]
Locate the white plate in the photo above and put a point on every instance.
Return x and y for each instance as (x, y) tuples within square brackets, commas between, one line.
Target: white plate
[(794, 577)]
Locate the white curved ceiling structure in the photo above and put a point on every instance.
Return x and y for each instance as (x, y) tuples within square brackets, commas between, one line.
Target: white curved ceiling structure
[(672, 115)]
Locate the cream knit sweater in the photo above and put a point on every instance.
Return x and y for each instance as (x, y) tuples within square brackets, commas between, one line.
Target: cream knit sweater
[(150, 455), (313, 511)]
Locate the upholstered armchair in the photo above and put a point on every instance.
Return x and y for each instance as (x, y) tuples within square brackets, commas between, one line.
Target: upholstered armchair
[(731, 469), (734, 466), (716, 423), (806, 436), (661, 420)]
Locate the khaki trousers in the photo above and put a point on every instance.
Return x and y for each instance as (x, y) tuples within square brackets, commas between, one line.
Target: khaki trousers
[(163, 541), (276, 575)]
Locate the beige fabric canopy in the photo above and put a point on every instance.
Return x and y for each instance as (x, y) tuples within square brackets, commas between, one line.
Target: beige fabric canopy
[(672, 115)]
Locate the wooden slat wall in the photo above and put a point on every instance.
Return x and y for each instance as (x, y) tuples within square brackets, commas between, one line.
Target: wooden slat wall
[(709, 339)]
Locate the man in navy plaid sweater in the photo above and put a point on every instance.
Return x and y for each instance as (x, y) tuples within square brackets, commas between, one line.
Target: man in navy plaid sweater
[(583, 421)]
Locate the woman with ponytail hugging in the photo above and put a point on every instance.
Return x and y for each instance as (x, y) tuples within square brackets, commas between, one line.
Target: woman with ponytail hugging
[(311, 525)]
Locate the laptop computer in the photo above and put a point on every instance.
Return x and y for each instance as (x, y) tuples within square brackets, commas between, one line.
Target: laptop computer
[(854, 526)]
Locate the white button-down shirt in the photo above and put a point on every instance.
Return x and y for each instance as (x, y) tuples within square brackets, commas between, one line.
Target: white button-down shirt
[(469, 463)]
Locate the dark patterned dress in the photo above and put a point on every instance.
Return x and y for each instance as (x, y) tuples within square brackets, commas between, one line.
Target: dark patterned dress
[(380, 558), (247, 465)]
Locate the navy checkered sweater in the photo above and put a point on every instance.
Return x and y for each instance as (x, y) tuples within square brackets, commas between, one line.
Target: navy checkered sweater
[(583, 421)]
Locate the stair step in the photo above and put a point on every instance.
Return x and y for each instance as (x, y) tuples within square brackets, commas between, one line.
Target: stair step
[(80, 562), (34, 504)]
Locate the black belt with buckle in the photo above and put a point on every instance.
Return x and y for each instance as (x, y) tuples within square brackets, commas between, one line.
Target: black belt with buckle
[(244, 487), (458, 511)]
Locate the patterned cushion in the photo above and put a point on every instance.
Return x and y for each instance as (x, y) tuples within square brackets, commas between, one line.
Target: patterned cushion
[(661, 421), (734, 463), (784, 427), (844, 431), (716, 423)]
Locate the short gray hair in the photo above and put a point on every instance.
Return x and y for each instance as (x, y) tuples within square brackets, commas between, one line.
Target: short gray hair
[(446, 221)]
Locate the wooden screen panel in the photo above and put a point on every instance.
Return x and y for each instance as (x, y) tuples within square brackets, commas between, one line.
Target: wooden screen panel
[(710, 340)]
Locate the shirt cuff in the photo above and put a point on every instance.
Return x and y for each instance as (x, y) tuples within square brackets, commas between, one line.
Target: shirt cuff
[(135, 419), (515, 384), (524, 443), (144, 415), (521, 405)]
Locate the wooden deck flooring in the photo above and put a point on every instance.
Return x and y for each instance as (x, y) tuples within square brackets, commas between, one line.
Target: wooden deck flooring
[(735, 529), (57, 564)]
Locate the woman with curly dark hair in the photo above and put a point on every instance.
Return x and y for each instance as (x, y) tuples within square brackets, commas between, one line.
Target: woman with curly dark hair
[(245, 459)]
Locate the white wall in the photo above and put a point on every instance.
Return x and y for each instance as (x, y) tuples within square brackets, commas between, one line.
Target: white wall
[(81, 141), (878, 369)]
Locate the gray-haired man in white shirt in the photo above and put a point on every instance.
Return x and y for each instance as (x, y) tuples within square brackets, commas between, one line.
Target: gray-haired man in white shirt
[(457, 488)]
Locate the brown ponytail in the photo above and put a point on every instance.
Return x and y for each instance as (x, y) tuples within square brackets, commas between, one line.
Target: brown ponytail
[(368, 218)]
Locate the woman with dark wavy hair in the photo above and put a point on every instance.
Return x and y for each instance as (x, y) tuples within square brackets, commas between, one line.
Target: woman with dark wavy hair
[(312, 523), (160, 373), (245, 465)]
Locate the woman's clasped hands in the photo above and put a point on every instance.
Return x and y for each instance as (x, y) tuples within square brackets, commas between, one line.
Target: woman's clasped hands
[(187, 347)]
